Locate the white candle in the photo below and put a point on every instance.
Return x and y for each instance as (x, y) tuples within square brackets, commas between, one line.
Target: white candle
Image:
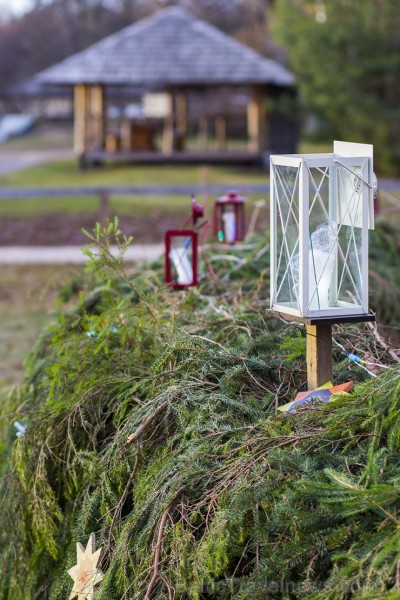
[(229, 225), (182, 264)]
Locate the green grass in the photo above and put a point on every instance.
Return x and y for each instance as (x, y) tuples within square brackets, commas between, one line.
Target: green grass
[(144, 205), (27, 298), (119, 205), (65, 173), (36, 206)]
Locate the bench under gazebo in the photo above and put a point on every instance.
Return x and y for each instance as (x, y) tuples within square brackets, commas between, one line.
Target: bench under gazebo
[(167, 62)]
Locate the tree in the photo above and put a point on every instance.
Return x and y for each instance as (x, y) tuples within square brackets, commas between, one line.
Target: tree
[(346, 55), (51, 32)]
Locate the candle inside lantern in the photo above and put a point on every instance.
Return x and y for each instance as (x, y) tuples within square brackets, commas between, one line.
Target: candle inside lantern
[(182, 264), (321, 266), (181, 258), (229, 219)]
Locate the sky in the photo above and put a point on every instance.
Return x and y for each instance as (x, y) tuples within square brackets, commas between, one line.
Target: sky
[(15, 7)]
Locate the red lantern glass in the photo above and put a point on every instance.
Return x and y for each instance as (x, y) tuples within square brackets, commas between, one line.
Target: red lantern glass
[(181, 258), (229, 217)]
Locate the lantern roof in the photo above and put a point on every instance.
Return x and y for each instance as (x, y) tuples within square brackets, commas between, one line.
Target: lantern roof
[(170, 48), (231, 197)]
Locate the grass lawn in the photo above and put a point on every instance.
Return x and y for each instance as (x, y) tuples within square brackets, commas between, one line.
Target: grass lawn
[(65, 173), (27, 299), (119, 205)]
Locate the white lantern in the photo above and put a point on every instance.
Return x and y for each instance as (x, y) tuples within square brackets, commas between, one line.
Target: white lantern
[(321, 210)]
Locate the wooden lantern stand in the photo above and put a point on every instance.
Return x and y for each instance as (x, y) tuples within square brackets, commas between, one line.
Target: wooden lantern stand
[(319, 346), (318, 354)]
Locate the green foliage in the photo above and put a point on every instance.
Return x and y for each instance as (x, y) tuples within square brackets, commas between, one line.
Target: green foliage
[(346, 57), (384, 273), (157, 428)]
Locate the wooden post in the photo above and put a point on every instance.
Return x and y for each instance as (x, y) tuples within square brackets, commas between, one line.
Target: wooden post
[(97, 117), (319, 354), (126, 135), (89, 119), (80, 119), (256, 122), (220, 132), (181, 113), (169, 124), (103, 206), (203, 132)]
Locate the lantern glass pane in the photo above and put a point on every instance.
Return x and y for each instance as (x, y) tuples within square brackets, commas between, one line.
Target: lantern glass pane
[(351, 193), (181, 260), (335, 257), (322, 240), (286, 182)]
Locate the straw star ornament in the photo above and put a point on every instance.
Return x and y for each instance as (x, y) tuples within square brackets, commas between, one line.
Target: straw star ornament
[(85, 573)]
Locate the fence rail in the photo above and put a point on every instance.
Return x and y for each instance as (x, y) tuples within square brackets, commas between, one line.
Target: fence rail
[(104, 193), (23, 193)]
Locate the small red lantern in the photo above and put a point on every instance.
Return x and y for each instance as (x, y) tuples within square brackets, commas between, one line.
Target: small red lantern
[(181, 258), (229, 218)]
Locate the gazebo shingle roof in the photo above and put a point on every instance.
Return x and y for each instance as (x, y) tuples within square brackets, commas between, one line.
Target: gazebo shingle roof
[(169, 48)]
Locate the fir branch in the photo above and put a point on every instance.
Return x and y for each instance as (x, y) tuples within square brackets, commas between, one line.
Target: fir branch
[(157, 556), (134, 437)]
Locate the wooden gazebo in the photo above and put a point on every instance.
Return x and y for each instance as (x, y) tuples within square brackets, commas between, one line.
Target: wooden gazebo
[(166, 57)]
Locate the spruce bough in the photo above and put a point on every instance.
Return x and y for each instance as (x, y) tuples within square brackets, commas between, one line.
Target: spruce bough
[(159, 432)]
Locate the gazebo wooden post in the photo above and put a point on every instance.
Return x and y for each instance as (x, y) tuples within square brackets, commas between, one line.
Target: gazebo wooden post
[(89, 120), (220, 132), (181, 105), (256, 121), (168, 133), (203, 131), (176, 123), (80, 120), (97, 117)]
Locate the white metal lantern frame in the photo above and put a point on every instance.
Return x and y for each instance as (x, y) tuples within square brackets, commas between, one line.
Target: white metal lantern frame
[(321, 210)]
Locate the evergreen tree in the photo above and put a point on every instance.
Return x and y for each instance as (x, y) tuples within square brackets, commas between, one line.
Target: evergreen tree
[(347, 59)]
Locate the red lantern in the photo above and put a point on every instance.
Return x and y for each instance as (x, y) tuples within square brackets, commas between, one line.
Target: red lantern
[(229, 218), (181, 258)]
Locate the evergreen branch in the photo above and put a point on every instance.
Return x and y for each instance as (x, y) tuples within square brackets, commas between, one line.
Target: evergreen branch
[(140, 430), (157, 556), (122, 500)]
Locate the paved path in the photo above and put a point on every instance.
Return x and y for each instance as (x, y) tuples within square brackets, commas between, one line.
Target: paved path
[(18, 160), (20, 255)]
